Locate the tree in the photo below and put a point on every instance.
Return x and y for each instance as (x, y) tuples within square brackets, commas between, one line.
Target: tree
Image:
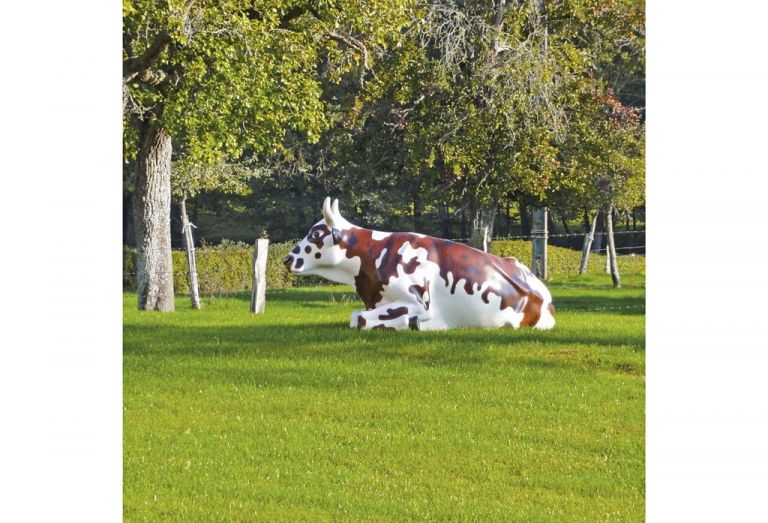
[(187, 181), (219, 79), (603, 160)]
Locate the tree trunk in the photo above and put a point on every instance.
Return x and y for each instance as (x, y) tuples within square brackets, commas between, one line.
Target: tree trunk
[(587, 221), (189, 247), (507, 219), (525, 218), (588, 243), (152, 216), (482, 217), (447, 222), (612, 247), (418, 207), (129, 229)]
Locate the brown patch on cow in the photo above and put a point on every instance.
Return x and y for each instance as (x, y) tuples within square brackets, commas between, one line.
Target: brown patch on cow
[(485, 293), (419, 291), (296, 250), (394, 313), (307, 249), (299, 263), (360, 322), (413, 323), (317, 255), (410, 267), (461, 261), (532, 310)]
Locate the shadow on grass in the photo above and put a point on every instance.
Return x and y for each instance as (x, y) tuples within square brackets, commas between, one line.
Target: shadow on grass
[(629, 305), (459, 346), (602, 299)]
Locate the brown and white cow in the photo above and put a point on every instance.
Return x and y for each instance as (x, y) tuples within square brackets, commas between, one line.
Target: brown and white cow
[(409, 280)]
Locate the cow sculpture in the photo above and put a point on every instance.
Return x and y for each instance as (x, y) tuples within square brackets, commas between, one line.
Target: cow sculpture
[(409, 280)]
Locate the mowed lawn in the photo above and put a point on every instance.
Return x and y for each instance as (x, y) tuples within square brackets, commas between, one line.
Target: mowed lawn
[(293, 416)]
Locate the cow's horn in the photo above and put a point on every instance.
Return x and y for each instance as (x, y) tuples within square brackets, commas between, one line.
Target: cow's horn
[(335, 207), (327, 211)]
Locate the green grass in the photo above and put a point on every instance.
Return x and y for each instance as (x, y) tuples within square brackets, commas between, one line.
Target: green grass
[(292, 416)]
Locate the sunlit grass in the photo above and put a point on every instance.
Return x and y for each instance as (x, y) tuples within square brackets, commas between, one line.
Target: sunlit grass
[(291, 415)]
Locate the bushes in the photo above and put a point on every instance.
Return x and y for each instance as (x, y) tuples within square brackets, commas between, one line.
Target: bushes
[(227, 267), (224, 268), (565, 261)]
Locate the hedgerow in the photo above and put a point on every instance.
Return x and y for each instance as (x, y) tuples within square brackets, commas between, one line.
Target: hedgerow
[(222, 268), (565, 261), (227, 267)]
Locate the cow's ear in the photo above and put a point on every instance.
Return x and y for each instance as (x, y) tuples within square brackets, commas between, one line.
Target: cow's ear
[(336, 235)]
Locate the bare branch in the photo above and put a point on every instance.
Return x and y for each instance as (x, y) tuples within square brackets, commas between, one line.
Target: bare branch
[(355, 44)]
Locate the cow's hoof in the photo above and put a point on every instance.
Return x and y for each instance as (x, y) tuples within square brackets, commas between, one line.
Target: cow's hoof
[(413, 323)]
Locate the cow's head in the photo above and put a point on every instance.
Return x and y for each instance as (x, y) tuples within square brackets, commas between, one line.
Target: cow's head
[(319, 249)]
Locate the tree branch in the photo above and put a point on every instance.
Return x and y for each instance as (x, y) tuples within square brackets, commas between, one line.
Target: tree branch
[(136, 64), (291, 15)]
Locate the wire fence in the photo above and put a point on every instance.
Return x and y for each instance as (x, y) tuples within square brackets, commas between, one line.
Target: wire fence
[(558, 235)]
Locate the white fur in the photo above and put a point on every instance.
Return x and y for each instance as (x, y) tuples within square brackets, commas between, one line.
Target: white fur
[(376, 235), (380, 258)]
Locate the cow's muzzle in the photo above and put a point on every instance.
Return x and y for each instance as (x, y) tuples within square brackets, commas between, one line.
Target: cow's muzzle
[(288, 261)]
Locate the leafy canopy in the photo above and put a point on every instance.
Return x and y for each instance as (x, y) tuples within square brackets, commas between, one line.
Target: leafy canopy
[(231, 77)]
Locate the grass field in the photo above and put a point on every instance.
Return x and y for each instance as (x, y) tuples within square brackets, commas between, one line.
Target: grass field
[(292, 416)]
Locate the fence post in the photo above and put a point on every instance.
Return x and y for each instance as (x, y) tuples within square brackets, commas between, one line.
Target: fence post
[(189, 247), (539, 237), (614, 264), (588, 244), (258, 293)]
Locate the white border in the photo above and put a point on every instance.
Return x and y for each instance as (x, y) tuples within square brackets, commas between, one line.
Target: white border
[(60, 261), (60, 361), (707, 355)]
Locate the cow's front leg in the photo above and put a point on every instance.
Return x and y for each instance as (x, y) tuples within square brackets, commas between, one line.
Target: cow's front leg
[(397, 316)]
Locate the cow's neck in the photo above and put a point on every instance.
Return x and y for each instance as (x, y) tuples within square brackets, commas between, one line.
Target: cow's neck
[(340, 273)]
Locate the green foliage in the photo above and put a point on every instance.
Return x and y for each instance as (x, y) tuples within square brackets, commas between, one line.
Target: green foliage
[(226, 77), (563, 261), (189, 179), (220, 269), (603, 155), (447, 111), (291, 415)]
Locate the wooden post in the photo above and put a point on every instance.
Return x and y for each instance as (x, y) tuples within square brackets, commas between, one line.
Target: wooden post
[(588, 244), (613, 263), (189, 247), (539, 237), (258, 293)]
